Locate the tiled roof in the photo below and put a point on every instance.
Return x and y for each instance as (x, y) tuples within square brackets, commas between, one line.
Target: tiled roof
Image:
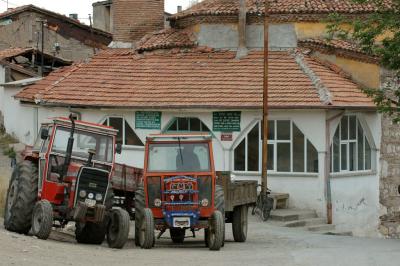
[(12, 52), (340, 47), (40, 87), (32, 8), (193, 79), (165, 39), (17, 51), (231, 7)]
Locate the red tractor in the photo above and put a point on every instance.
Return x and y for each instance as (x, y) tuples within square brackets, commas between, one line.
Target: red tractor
[(66, 177), (179, 191)]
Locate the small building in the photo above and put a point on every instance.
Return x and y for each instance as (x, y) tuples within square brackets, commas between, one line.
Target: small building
[(20, 67), (327, 142), (63, 36)]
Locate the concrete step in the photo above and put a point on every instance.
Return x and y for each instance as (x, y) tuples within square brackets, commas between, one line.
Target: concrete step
[(338, 233), (305, 222), (286, 215), (321, 227)]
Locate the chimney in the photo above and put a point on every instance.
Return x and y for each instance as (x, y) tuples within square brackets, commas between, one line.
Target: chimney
[(242, 46), (132, 19), (179, 9), (73, 16)]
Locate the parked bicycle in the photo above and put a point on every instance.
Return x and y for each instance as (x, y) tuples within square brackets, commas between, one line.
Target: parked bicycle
[(263, 205)]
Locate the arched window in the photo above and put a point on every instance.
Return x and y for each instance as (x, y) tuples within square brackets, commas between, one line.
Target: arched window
[(126, 135), (288, 149), (350, 150), (187, 124)]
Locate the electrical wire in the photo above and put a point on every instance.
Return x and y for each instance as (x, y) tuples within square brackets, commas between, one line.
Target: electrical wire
[(9, 3)]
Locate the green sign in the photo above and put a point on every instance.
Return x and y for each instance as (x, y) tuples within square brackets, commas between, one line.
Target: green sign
[(148, 120), (226, 121)]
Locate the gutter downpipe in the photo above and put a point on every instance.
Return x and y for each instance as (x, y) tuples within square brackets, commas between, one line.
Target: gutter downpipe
[(327, 168)]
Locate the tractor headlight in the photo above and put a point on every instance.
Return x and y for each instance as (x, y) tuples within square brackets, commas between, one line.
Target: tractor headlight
[(204, 202), (82, 193), (99, 197), (157, 202), (91, 196)]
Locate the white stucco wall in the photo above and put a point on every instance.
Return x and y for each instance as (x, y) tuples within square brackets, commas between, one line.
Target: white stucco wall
[(355, 198), (355, 202), (18, 119), (2, 80), (281, 36)]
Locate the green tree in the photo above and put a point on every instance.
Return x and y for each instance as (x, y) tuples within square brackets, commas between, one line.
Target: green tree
[(377, 34)]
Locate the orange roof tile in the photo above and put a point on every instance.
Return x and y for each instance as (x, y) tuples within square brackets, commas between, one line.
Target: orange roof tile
[(165, 39), (231, 7), (192, 79), (344, 48), (12, 52)]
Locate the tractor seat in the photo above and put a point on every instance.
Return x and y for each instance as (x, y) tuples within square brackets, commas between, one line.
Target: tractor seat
[(54, 177)]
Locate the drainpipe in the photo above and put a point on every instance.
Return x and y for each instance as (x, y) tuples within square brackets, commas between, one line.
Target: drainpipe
[(242, 47), (327, 168)]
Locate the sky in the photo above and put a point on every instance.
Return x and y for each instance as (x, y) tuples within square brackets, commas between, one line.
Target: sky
[(82, 7)]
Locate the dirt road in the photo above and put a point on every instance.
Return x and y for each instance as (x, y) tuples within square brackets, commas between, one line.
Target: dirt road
[(267, 245)]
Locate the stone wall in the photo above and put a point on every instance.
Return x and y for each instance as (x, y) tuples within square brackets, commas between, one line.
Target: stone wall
[(390, 179), (76, 44)]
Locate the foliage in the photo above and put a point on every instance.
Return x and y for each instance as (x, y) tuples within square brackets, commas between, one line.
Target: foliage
[(377, 34), (10, 152), (7, 139)]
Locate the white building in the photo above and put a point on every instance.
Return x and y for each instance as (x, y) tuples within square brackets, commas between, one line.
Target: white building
[(325, 134)]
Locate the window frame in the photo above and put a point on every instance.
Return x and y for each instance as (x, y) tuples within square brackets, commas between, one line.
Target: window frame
[(176, 119), (275, 143), (124, 122), (347, 143)]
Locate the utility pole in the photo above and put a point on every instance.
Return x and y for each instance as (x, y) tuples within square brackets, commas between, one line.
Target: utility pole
[(43, 22), (264, 178)]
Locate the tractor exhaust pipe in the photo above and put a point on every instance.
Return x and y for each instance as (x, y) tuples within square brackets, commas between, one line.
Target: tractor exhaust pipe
[(70, 146)]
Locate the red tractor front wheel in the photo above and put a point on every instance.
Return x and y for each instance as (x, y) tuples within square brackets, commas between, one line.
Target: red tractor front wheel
[(42, 219), (118, 228)]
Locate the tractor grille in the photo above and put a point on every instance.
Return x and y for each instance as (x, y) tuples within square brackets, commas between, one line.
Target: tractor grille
[(94, 182), (180, 194)]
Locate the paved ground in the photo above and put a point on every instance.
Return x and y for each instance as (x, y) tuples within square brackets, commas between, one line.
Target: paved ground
[(267, 245)]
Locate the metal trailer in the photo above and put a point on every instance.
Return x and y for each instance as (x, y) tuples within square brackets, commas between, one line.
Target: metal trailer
[(239, 195)]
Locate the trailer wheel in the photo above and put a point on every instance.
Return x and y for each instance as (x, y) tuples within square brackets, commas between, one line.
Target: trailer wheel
[(177, 235), (118, 228), (216, 231), (146, 229), (220, 204), (42, 219), (139, 209), (90, 233), (21, 198), (240, 223)]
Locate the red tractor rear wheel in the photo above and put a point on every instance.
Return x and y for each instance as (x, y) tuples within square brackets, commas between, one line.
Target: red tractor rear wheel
[(21, 198)]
